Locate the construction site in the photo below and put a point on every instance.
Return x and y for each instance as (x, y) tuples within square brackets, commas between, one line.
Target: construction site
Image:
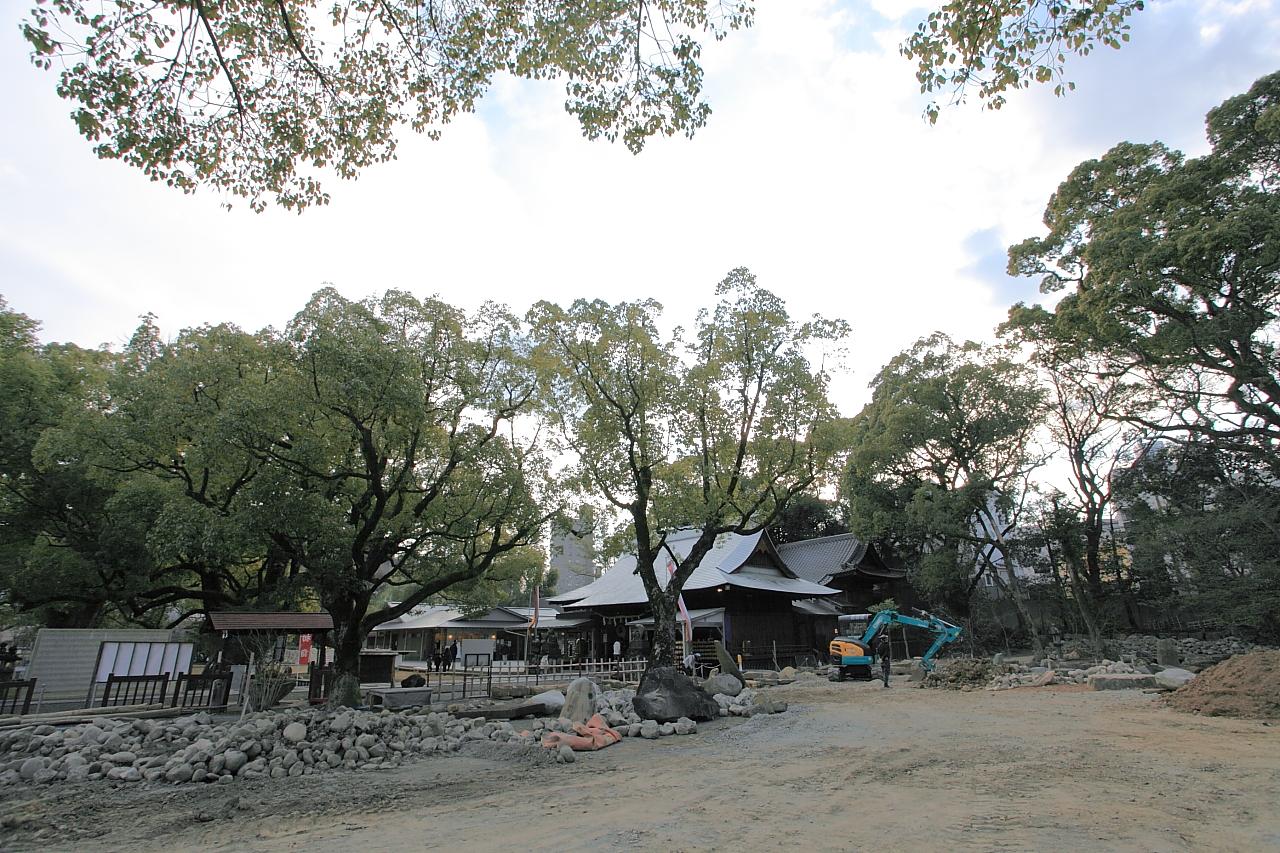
[(978, 754)]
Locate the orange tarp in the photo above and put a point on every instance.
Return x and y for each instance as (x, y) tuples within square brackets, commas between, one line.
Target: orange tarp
[(594, 734)]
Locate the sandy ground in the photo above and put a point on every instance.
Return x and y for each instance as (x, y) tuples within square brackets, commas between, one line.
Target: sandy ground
[(849, 767)]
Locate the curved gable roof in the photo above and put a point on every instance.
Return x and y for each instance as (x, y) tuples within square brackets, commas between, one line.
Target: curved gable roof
[(725, 564), (826, 557)]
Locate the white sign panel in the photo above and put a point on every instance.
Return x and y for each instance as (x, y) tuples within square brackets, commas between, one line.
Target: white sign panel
[(123, 658)]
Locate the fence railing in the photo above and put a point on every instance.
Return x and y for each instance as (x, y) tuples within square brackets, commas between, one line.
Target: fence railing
[(15, 696), (207, 690), (480, 677), (776, 656), (134, 690)]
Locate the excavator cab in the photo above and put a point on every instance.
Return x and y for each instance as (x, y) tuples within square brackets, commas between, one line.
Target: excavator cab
[(851, 656)]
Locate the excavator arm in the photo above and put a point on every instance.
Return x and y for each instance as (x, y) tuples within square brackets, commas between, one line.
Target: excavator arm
[(855, 656), (944, 632)]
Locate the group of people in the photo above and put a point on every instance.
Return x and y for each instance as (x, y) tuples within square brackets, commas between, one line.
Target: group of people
[(442, 659)]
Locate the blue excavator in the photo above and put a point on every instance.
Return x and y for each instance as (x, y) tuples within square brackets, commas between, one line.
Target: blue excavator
[(853, 649)]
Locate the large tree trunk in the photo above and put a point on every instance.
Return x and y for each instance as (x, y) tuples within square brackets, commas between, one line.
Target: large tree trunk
[(1057, 583), (1093, 558), (1021, 602), (348, 622), (1084, 601), (664, 630)]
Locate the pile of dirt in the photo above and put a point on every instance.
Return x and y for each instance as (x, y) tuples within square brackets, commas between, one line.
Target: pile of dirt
[(1241, 686), (961, 673)]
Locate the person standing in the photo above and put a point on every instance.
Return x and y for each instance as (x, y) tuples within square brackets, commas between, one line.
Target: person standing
[(884, 651), (453, 653)]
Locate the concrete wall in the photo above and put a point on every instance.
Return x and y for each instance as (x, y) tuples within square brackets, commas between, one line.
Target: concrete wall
[(63, 658)]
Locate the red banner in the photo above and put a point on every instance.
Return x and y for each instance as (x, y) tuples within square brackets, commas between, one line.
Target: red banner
[(304, 649)]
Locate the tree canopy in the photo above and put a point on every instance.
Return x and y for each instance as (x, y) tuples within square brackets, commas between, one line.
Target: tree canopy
[(716, 433), (940, 462), (257, 100), (368, 447), (1001, 45), (1171, 274)]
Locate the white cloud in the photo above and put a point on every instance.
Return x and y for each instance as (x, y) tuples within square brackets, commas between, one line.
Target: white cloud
[(816, 170)]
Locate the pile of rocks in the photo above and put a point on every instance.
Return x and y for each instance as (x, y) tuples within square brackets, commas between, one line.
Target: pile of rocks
[(616, 708), (748, 703), (1020, 675), (1144, 647), (274, 745), (962, 673), (1107, 675), (297, 742)]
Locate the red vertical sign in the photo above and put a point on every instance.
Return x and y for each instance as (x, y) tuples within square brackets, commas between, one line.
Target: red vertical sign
[(304, 649)]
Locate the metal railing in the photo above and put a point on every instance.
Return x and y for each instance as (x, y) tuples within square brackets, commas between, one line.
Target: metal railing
[(208, 690), (479, 679), (134, 690), (15, 696)]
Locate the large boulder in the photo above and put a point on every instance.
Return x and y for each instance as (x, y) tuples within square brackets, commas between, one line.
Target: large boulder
[(722, 682), (1173, 677), (553, 700), (579, 700), (727, 663), (666, 694)]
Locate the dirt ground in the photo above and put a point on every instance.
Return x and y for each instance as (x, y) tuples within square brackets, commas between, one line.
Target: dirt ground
[(848, 767)]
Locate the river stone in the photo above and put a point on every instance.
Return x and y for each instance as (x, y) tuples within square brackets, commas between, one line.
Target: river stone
[(666, 694), (649, 729), (566, 754), (233, 760), (181, 773), (29, 768), (295, 732), (579, 700), (685, 726), (340, 723), (722, 683)]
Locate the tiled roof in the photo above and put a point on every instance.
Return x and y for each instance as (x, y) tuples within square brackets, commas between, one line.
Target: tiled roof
[(725, 564), (821, 559)]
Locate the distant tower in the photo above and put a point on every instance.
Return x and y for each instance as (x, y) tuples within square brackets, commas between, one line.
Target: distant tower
[(573, 554)]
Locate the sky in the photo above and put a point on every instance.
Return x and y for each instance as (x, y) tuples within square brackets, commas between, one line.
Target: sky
[(816, 170)]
